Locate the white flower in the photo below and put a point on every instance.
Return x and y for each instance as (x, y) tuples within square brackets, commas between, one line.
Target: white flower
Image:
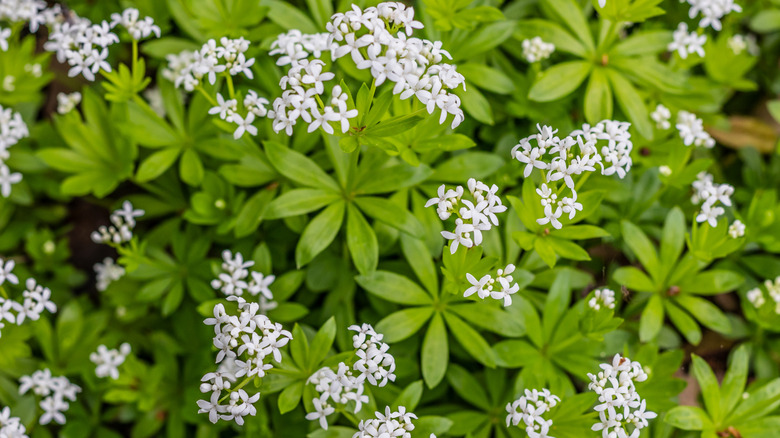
[(691, 129), (244, 125), (107, 272), (536, 49), (55, 391), (121, 230), (108, 361), (686, 43), (322, 410), (736, 230), (7, 179), (620, 405), (374, 363), (710, 194), (6, 272), (665, 170), (529, 409), (387, 425), (5, 33), (602, 297), (712, 11), (661, 117), (225, 108), (67, 102), (740, 43), (460, 236), (756, 297), (138, 29)]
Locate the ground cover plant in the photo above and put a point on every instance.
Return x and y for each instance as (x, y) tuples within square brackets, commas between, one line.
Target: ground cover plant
[(438, 218)]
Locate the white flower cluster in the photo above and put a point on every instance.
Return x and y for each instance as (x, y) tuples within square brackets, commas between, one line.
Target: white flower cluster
[(687, 43), (661, 117), (529, 409), (37, 298), (559, 159), (12, 130), (11, 427), (621, 406), (233, 280), (473, 217), (138, 29), (228, 111), (391, 424), (712, 11), (121, 231), (339, 387), (250, 335), (739, 43), (67, 102), (380, 39), (692, 131), (756, 296), (295, 46), (55, 391), (704, 190), (736, 229), (82, 44), (108, 361), (602, 298), (484, 287), (106, 273), (36, 12), (536, 49), (188, 69), (374, 365), (5, 33)]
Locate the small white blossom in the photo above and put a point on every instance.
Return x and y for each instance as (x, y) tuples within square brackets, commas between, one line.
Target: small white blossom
[(685, 43), (602, 298), (121, 231), (709, 194), (736, 229), (106, 273), (387, 425), (67, 102), (138, 29), (108, 361), (756, 297), (665, 170), (11, 427), (691, 129), (500, 287), (55, 391), (536, 49), (661, 117), (740, 43), (529, 409), (712, 11)]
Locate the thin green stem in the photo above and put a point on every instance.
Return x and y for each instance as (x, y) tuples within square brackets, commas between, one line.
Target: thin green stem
[(231, 90), (4, 293), (581, 182), (206, 95), (135, 56), (240, 385)]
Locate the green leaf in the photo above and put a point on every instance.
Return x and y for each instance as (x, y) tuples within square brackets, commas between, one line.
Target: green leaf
[(467, 165), (559, 81), (289, 17), (598, 97), (672, 241), (642, 248), (299, 201), (706, 312), (734, 381), (687, 325), (409, 397), (555, 305), (570, 13), (487, 78), (766, 21), (476, 105), (552, 33), (416, 253), (483, 40), (435, 352), (709, 387), (147, 128), (471, 340), (253, 212), (390, 213), (759, 403), (191, 168), (652, 319), (711, 282), (467, 387), (319, 233), (299, 168), (392, 178), (487, 317), (394, 288), (173, 299), (631, 103), (688, 418), (567, 249), (394, 126), (320, 345), (361, 241), (643, 43), (290, 397), (299, 347), (545, 251), (157, 163), (402, 324)]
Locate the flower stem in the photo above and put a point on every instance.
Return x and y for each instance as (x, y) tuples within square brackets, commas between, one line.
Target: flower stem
[(240, 385), (135, 56), (4, 293), (231, 90), (207, 95)]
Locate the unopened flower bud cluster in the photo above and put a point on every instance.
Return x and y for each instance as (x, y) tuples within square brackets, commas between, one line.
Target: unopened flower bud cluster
[(390, 424), (232, 281), (661, 116), (474, 216), (106, 273), (12, 130), (379, 39), (621, 410), (602, 298), (487, 287), (739, 43), (121, 231), (530, 409), (374, 365), (710, 194), (756, 296), (37, 298), (11, 427), (55, 390), (248, 341), (536, 49), (107, 361), (559, 160)]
